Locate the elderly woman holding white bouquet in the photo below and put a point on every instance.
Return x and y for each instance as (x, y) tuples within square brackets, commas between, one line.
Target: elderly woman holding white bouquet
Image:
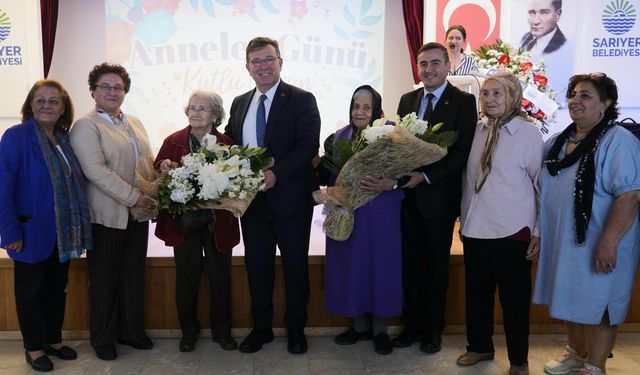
[(217, 237), (499, 216), (363, 274)]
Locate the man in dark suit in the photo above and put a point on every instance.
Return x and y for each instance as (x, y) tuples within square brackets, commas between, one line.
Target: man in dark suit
[(432, 200), (285, 120), (544, 35)]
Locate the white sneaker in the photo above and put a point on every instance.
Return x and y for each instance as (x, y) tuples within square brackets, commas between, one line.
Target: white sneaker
[(566, 362), (590, 370)]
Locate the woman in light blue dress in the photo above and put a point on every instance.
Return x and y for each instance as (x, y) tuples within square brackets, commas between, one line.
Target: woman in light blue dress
[(590, 234)]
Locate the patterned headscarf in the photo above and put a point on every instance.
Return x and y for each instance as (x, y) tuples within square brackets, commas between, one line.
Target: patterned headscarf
[(513, 108)]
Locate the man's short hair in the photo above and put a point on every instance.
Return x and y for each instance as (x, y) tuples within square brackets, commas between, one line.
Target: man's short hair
[(259, 43), (434, 45)]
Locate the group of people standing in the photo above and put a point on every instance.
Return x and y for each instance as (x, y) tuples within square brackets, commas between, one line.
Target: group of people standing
[(574, 201)]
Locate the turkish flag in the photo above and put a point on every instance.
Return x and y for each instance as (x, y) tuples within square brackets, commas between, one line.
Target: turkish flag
[(481, 19)]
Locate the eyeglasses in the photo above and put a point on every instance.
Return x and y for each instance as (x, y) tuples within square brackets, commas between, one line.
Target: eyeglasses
[(198, 109), (41, 102), (107, 88), (269, 60), (597, 75)]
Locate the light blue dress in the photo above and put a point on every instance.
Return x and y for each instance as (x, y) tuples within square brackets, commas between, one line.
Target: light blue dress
[(566, 280)]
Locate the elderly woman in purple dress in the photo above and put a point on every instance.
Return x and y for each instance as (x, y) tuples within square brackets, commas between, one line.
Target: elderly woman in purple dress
[(363, 277)]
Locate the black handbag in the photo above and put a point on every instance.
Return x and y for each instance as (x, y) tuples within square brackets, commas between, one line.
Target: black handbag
[(629, 124), (193, 221)]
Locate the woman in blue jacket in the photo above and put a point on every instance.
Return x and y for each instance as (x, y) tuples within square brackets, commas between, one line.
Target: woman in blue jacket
[(44, 217)]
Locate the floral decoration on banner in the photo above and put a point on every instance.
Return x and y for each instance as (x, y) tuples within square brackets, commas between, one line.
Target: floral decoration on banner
[(216, 176), (539, 100), (380, 149)]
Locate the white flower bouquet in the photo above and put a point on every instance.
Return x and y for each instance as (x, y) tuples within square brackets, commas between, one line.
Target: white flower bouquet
[(377, 150), (216, 176)]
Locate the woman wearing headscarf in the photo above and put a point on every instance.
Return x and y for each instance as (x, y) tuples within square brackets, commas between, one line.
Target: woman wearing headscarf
[(215, 240), (589, 194), (363, 275), (44, 217), (498, 222)]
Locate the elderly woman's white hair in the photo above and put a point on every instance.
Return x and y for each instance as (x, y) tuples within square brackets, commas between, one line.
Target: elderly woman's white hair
[(215, 102)]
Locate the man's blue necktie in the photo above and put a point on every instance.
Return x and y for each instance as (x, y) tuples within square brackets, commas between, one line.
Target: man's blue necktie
[(429, 107), (261, 121)]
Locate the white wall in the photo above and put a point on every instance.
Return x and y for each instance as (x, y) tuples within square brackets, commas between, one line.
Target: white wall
[(24, 39)]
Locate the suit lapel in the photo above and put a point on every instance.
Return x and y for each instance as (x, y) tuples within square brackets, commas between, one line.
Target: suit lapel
[(279, 102), (417, 98), (442, 106)]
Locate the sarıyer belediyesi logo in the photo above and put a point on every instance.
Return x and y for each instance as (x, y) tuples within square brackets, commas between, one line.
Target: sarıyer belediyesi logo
[(5, 25), (618, 17)]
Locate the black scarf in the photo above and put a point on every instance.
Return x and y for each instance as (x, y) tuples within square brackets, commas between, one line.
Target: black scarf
[(585, 175)]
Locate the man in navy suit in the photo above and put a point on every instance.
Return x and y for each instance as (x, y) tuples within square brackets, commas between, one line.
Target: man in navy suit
[(544, 35), (285, 120), (432, 200)]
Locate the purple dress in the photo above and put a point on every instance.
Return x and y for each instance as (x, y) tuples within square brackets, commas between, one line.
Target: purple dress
[(364, 273)]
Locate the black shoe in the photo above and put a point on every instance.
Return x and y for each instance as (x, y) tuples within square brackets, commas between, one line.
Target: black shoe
[(431, 344), (406, 338), (255, 340), (42, 363), (144, 344), (297, 342), (106, 352), (64, 352), (382, 344), (351, 336), (226, 342), (187, 344)]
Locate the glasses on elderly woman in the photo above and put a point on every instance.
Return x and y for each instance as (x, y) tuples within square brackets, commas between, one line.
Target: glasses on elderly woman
[(194, 109), (107, 88)]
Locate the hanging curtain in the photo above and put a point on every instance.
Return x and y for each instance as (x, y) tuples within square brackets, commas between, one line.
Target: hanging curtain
[(49, 18), (412, 11)]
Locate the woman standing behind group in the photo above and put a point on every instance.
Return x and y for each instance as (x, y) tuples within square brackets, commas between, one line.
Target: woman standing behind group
[(205, 112), (363, 275), (589, 196), (456, 42), (44, 217), (109, 143), (498, 222)]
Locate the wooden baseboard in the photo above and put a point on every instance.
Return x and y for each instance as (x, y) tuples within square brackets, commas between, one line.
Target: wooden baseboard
[(161, 315)]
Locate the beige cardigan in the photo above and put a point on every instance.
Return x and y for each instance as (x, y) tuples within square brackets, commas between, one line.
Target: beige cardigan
[(106, 156)]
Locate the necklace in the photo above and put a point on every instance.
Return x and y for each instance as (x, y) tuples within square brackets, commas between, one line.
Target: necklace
[(575, 139)]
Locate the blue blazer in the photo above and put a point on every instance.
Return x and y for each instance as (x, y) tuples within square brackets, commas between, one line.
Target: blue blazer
[(27, 210)]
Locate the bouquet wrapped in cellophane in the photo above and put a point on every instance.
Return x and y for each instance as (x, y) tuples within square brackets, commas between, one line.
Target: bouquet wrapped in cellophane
[(377, 150), (216, 176), (148, 181)]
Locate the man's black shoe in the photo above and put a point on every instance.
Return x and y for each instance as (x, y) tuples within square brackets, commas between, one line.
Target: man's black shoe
[(255, 340), (431, 344), (406, 338), (297, 342)]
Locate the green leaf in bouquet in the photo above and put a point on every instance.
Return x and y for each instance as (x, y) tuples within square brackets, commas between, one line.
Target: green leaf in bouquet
[(444, 139)]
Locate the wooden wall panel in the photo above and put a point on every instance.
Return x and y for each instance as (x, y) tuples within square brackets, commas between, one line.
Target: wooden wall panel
[(160, 312)]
